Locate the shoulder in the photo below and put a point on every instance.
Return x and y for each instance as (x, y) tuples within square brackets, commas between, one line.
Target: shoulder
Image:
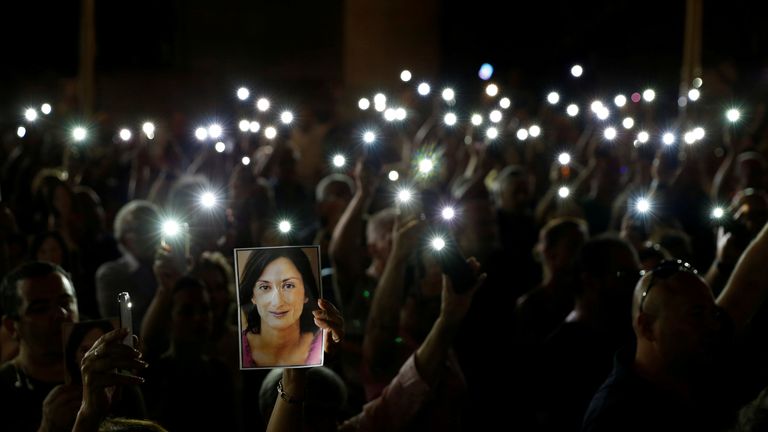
[(114, 268)]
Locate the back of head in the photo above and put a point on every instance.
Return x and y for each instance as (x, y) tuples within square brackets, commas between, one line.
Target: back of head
[(139, 218), (561, 240), (334, 186), (602, 254), (129, 425)]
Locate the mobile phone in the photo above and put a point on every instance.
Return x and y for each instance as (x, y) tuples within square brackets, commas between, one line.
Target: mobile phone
[(454, 265), (126, 316), (179, 244)]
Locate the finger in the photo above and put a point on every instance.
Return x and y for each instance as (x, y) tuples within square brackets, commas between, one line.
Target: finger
[(112, 336), (325, 325), (101, 365), (109, 379), (327, 305), (322, 315)]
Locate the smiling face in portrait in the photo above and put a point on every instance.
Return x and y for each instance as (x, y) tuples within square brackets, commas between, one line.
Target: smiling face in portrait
[(279, 294)]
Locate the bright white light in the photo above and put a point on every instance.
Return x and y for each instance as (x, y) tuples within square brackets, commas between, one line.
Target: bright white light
[(492, 90), (400, 114), (405, 75), (563, 192), (572, 110), (404, 195), (215, 131), (697, 82), (689, 137), (208, 200), (628, 122), (363, 104), (30, 114), (694, 94), (553, 98), (718, 212), (733, 115), (245, 160), (448, 94), (620, 100), (148, 128), (125, 134), (450, 119), (423, 89), (380, 107), (476, 119), (577, 70), (254, 126), (262, 104), (603, 113), (505, 103), (438, 243), (448, 213), (244, 125), (564, 158), (609, 133), (286, 117), (522, 134), (495, 116), (492, 133), (21, 131), (642, 205), (649, 95), (369, 137), (171, 228), (220, 147), (339, 161), (596, 106), (668, 138), (485, 72), (201, 133), (284, 226), (243, 93), (534, 131), (426, 165), (79, 133), (699, 133), (380, 99), (45, 108), (643, 137), (393, 175), (390, 114), (270, 132)]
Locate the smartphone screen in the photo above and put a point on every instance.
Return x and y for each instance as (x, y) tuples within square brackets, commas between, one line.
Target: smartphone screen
[(126, 316)]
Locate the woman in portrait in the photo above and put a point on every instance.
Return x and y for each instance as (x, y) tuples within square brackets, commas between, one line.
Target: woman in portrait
[(278, 292)]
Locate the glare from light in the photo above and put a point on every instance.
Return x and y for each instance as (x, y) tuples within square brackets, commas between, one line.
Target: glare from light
[(492, 133), (243, 93), (563, 192), (534, 131), (21, 131), (254, 126), (649, 95), (596, 106), (643, 205), (369, 137), (485, 72), (45, 108), (564, 158), (450, 119), (30, 114), (363, 104), (577, 70), (643, 137), (380, 107), (448, 94), (380, 99), (171, 228), (79, 133), (339, 161), (390, 114), (694, 94), (393, 176), (438, 243), (426, 165), (668, 138), (697, 82), (492, 90), (522, 134), (148, 128), (400, 114), (284, 226), (609, 133), (699, 133), (628, 122), (603, 114), (495, 116), (404, 195), (245, 160), (201, 133), (125, 134), (733, 115), (220, 147), (553, 98), (620, 100), (208, 200), (270, 132), (505, 103), (405, 75), (476, 119), (448, 213), (215, 131), (262, 104), (689, 137), (244, 125), (286, 117), (718, 212), (423, 89), (572, 110)]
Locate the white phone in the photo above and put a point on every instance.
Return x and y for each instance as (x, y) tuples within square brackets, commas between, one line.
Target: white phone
[(126, 317)]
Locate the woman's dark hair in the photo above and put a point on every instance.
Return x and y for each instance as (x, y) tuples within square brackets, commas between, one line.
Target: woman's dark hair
[(38, 241), (75, 339), (257, 262)]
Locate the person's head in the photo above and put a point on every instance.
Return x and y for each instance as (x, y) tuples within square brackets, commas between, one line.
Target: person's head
[(37, 298), (80, 340), (137, 228), (609, 269), (214, 270), (676, 320), (278, 288), (559, 244), (333, 194), (118, 424), (50, 246), (512, 191), (90, 216), (751, 167), (53, 192), (191, 317), (378, 234)]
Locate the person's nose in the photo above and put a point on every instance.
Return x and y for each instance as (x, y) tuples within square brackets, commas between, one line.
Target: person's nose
[(278, 297), (62, 313)]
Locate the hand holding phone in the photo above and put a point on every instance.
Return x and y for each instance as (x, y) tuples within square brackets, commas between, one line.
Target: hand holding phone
[(453, 263)]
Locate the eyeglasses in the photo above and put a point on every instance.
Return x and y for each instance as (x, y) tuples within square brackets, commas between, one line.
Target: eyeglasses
[(665, 270)]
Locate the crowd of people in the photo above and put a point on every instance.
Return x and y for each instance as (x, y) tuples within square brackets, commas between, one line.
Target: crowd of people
[(617, 278)]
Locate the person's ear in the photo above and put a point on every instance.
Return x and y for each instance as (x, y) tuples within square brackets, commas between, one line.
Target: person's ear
[(11, 326)]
